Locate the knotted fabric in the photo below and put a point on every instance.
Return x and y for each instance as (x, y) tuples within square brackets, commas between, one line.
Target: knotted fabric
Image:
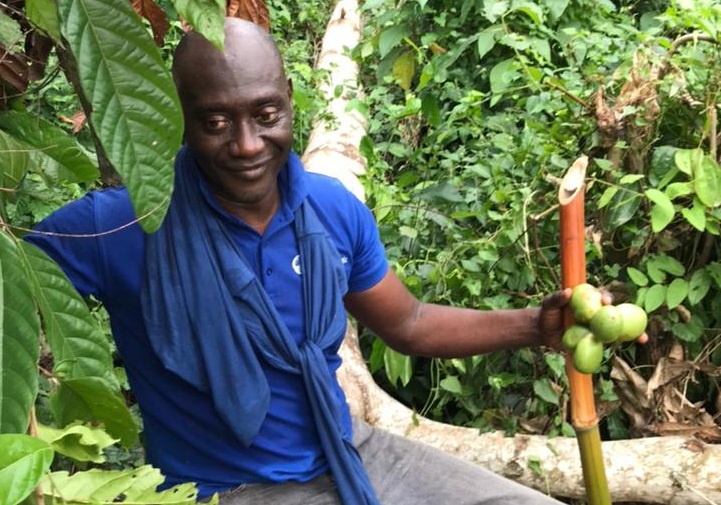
[(214, 337)]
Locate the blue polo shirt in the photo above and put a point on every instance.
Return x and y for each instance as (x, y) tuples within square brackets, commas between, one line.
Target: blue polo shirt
[(184, 435)]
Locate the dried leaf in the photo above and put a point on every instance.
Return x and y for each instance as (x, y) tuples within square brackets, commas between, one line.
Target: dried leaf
[(251, 10), (14, 70), (156, 16)]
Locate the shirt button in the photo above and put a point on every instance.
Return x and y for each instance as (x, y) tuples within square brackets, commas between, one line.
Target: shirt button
[(269, 271)]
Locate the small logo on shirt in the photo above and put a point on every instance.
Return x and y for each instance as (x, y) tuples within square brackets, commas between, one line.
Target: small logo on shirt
[(295, 264)]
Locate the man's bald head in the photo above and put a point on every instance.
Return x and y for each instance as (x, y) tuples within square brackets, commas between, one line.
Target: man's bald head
[(245, 42)]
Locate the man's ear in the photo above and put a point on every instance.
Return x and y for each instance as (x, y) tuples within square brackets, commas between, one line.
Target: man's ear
[(290, 89)]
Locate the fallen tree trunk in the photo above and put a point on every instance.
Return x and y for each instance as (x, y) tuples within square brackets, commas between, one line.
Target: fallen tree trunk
[(670, 470)]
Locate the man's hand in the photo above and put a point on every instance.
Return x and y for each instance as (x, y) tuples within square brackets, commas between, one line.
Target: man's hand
[(550, 320)]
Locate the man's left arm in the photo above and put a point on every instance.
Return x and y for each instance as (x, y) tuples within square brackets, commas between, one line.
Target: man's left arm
[(424, 329)]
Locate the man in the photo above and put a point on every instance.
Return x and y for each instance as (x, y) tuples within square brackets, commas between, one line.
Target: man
[(228, 319)]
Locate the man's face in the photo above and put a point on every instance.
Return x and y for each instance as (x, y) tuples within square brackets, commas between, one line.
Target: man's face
[(239, 123)]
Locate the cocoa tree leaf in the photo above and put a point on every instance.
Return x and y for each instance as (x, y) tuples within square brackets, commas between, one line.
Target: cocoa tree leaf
[(44, 15), (23, 462), (19, 341), (207, 17), (72, 163), (135, 485), (92, 399), (78, 442), (135, 108), (79, 348)]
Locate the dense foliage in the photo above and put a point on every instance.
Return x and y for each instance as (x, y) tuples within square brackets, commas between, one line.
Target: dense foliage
[(476, 109)]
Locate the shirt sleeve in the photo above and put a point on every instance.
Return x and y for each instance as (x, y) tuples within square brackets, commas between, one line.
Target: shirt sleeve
[(370, 263), (68, 236)]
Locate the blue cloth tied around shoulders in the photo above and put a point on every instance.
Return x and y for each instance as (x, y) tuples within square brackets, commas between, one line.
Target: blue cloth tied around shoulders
[(213, 338)]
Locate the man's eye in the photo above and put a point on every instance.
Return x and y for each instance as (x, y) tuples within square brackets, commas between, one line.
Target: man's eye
[(268, 117), (215, 124)]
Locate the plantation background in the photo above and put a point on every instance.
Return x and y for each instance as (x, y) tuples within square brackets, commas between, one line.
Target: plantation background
[(475, 109)]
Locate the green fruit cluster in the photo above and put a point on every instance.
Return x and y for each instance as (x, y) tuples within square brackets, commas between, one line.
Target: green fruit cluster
[(596, 324)]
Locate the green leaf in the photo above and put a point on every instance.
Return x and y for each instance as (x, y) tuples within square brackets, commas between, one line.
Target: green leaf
[(662, 212), (542, 48), (630, 178), (81, 443), (676, 293), (687, 159), (556, 8), (10, 32), (452, 385), (696, 215), (99, 487), (487, 40), (207, 17), (430, 109), (493, 9), (390, 37), (533, 11), (14, 161), (543, 389), (52, 142), (404, 68), (398, 366), (623, 208), (135, 108), (23, 461), (637, 276), (79, 347), (667, 264), (19, 341), (91, 399), (502, 75), (44, 15), (676, 189), (699, 285), (607, 196), (655, 297), (707, 182)]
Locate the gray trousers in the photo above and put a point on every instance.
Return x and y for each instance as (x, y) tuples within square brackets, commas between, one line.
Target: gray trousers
[(403, 472)]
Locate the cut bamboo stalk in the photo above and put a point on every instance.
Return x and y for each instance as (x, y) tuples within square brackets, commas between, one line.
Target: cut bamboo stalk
[(571, 197)]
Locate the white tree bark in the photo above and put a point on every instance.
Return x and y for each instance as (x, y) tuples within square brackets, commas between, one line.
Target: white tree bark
[(671, 470)]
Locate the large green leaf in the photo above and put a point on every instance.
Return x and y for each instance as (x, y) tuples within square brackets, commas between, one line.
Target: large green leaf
[(707, 181), (79, 442), (23, 461), (52, 142), (44, 14), (79, 347), (205, 16), (135, 108), (19, 341), (135, 485), (14, 161), (90, 399)]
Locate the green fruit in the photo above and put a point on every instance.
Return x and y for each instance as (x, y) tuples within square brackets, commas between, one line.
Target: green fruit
[(634, 320), (588, 354), (585, 301), (606, 324), (573, 335)]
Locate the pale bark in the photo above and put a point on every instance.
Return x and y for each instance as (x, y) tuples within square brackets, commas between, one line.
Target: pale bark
[(670, 470)]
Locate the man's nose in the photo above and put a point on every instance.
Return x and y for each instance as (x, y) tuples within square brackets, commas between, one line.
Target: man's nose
[(245, 142)]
